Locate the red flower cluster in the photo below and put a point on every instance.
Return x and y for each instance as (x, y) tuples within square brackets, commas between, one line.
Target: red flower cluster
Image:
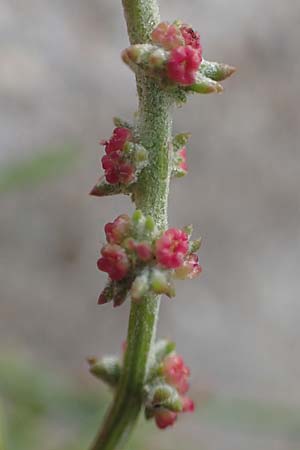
[(146, 260), (176, 374), (114, 261), (122, 252), (117, 230), (185, 51), (116, 167), (171, 248)]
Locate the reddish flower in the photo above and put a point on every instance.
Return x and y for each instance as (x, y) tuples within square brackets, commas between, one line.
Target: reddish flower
[(165, 418), (191, 37), (190, 268), (176, 373), (114, 261), (171, 248), (183, 64), (117, 230), (111, 167), (168, 36), (116, 170), (144, 251), (120, 136), (126, 173), (187, 404), (183, 163)]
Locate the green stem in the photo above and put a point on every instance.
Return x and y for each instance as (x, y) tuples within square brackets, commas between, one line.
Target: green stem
[(151, 196)]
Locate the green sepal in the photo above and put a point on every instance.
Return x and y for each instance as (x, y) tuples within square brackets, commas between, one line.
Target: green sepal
[(178, 173), (148, 57), (140, 156), (163, 348), (143, 227), (188, 229), (115, 291), (140, 286), (118, 122), (150, 225), (195, 245), (161, 283), (137, 217), (102, 189), (108, 369), (180, 140), (216, 71), (162, 395), (121, 291), (204, 85)]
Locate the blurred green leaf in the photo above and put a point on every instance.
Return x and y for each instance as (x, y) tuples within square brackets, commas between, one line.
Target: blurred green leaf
[(253, 415), (2, 424), (48, 164)]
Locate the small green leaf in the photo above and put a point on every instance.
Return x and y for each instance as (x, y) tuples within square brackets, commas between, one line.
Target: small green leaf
[(118, 122), (102, 189), (216, 71), (195, 245), (107, 370), (204, 85)]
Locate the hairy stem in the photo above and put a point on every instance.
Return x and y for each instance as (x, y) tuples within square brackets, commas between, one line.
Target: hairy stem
[(151, 196)]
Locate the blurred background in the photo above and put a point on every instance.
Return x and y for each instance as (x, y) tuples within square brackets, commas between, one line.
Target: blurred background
[(237, 326)]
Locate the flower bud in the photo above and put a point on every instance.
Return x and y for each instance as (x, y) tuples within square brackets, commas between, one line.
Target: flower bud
[(107, 370), (118, 230), (114, 261), (216, 71), (140, 286), (165, 396), (160, 283)]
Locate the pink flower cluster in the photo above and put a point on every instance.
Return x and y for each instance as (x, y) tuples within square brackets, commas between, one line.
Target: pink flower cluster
[(122, 252), (117, 168), (185, 49), (176, 374), (146, 259), (171, 248), (183, 161)]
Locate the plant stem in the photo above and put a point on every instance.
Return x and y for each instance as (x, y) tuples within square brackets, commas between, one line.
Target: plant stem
[(151, 196)]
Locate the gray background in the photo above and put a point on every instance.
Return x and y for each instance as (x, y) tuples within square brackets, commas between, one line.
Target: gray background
[(61, 80)]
